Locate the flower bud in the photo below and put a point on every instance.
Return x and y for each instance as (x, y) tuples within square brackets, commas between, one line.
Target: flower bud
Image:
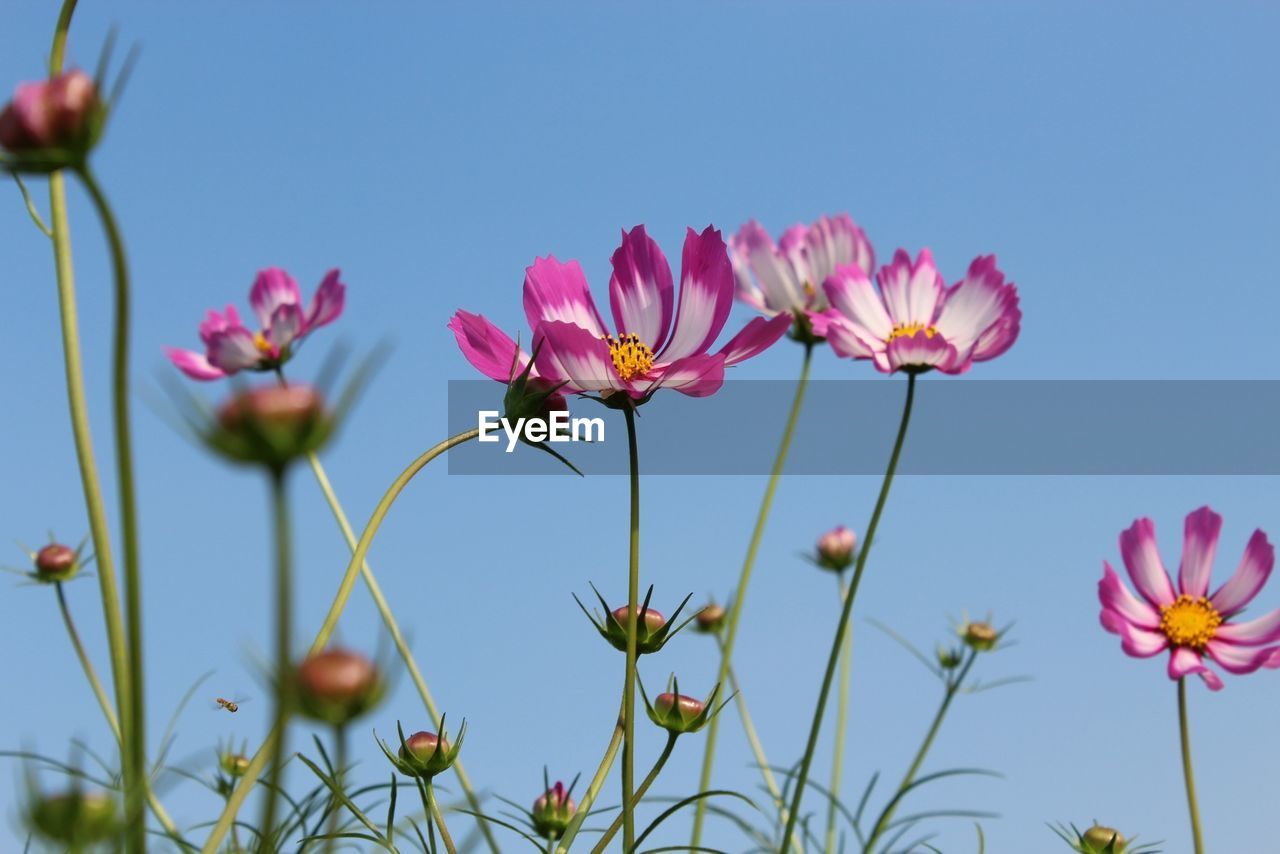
[(74, 818), (272, 425), (650, 625), (233, 764), (60, 113), (835, 549), (1103, 840), (710, 619), (677, 713), (552, 812), (980, 637), (425, 754), (56, 562), (337, 686), (948, 659)]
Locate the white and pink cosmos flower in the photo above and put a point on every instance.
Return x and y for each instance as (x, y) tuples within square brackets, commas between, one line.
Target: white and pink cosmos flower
[(230, 347), (1186, 620), (658, 342), (786, 277), (913, 322)]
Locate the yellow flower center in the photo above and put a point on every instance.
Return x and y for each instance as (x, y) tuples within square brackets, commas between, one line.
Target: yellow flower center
[(906, 330), (631, 356), (1189, 621), (260, 341)]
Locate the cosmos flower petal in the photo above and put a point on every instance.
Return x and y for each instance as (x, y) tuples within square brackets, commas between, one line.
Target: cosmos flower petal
[(569, 354), (922, 350), (911, 291), (778, 289), (849, 340), (697, 376), (1142, 561), (214, 323), (757, 336), (851, 293), (706, 295), (556, 291), (489, 350), (641, 292), (980, 314), (286, 326), (194, 365), (1134, 640), (1254, 569), (835, 241), (272, 288), (233, 350), (1114, 595), (1262, 630), (1241, 660), (1185, 661), (1200, 542), (328, 301)]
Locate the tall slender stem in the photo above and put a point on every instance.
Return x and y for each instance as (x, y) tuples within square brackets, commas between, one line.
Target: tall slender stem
[(629, 685), (807, 760), (259, 759), (953, 686), (1184, 730), (593, 790), (842, 724), (744, 578), (339, 770), (640, 792), (87, 665), (439, 818), (136, 744), (283, 657)]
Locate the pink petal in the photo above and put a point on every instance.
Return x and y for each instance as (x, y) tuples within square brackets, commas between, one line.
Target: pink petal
[(233, 350), (1113, 594), (641, 293), (215, 323), (1186, 661), (194, 365), (852, 294), (555, 291), (757, 336), (980, 315), (1253, 571), (697, 376), (1135, 641), (1142, 561), (836, 241), (1241, 660), (911, 291), (286, 326), (271, 289), (1264, 629), (706, 295), (779, 288), (922, 350), (848, 340), (1200, 542), (570, 354), (489, 350), (328, 302)]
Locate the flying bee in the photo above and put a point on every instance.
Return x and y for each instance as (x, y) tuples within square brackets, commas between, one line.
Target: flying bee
[(232, 706)]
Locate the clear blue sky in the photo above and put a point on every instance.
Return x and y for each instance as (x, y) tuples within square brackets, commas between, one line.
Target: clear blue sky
[(1121, 160)]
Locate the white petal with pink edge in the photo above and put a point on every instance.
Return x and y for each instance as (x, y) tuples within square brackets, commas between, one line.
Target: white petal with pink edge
[(569, 354), (641, 292), (1142, 561), (706, 295), (272, 288), (1113, 594), (1254, 569), (1199, 544), (556, 291), (1186, 661)]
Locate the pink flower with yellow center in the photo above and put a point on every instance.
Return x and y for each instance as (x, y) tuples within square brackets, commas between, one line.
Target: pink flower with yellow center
[(786, 277), (658, 342), (913, 322), (230, 347), (1186, 619)]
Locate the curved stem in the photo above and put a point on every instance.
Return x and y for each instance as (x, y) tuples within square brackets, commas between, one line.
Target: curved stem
[(439, 819), (397, 637), (629, 684), (807, 760), (136, 743), (593, 790), (953, 685), (640, 792), (259, 759), (85, 663), (1184, 730), (842, 723), (744, 578), (284, 658)]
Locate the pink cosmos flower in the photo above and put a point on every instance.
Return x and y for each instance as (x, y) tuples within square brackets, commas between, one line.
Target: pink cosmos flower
[(48, 113), (1185, 619), (914, 322), (787, 277), (659, 342), (229, 345)]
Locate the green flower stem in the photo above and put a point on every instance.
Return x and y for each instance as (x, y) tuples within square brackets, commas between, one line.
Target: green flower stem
[(393, 628), (85, 663), (259, 759), (593, 790), (744, 578), (629, 684), (640, 792), (284, 656), (842, 724), (136, 743), (439, 818), (953, 686), (807, 760), (1185, 731), (339, 770)]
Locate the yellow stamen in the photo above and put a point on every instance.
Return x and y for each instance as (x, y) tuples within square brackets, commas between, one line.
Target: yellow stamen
[(260, 341), (1190, 621), (906, 330), (631, 356)]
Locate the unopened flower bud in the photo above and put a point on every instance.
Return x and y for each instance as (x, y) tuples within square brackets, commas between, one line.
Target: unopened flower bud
[(426, 754), (552, 812), (1103, 840), (61, 113), (336, 686), (56, 562), (835, 549), (272, 425), (650, 625), (676, 711), (233, 764), (710, 618), (980, 637), (74, 818), (948, 659)]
